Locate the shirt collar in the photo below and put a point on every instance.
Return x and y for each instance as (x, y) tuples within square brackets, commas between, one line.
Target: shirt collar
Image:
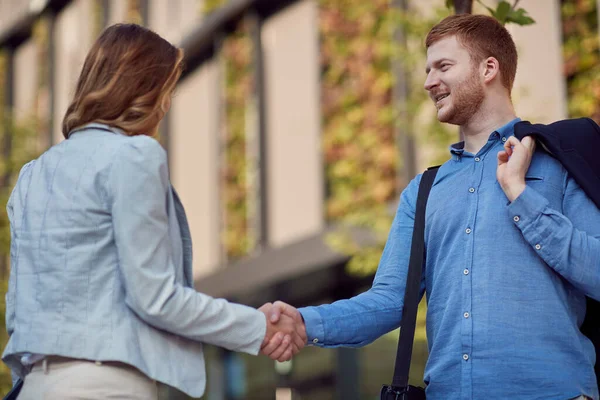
[(507, 130), (97, 125), (502, 133)]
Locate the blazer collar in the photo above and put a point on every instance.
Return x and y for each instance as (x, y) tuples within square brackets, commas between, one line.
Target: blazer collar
[(186, 239)]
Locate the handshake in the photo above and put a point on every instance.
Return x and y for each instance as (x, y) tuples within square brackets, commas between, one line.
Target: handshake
[(286, 332)]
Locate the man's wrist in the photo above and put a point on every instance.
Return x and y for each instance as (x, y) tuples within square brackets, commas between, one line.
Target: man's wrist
[(514, 190)]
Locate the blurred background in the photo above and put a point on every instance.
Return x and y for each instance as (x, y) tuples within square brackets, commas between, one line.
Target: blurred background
[(295, 126)]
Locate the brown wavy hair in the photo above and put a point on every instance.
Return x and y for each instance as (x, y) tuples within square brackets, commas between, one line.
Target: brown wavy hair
[(126, 81)]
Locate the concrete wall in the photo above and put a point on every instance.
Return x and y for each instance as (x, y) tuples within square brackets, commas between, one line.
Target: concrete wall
[(540, 89), (173, 19), (295, 179), (117, 11), (194, 162), (73, 39), (11, 11), (193, 136), (26, 73), (295, 167)]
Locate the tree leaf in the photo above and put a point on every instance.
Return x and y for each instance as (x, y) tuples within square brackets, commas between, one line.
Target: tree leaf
[(491, 10), (502, 11), (519, 17)]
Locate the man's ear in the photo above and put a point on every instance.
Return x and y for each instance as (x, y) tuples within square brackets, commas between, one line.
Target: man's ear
[(491, 69)]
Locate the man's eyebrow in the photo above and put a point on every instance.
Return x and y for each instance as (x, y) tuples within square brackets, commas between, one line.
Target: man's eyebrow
[(436, 63)]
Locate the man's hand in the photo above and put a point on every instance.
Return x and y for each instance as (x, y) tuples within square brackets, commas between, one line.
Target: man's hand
[(285, 336), (513, 163), (280, 311)]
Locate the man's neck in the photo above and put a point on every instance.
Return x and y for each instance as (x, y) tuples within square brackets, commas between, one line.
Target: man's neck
[(477, 131)]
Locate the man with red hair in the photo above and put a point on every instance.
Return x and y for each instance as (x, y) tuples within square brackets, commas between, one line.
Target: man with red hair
[(512, 244)]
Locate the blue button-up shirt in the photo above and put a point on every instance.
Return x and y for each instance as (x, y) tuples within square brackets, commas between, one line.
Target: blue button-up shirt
[(505, 282)]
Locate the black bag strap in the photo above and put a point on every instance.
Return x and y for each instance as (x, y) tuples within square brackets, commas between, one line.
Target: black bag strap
[(14, 392), (413, 283)]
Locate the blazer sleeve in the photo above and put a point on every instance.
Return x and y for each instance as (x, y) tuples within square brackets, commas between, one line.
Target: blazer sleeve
[(138, 186), (19, 192)]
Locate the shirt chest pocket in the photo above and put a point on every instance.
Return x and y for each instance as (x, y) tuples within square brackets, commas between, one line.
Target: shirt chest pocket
[(533, 178), (549, 188)]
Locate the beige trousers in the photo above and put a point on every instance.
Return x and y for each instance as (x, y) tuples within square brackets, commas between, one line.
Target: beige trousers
[(69, 379)]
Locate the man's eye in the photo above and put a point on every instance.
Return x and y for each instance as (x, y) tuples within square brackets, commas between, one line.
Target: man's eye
[(445, 67)]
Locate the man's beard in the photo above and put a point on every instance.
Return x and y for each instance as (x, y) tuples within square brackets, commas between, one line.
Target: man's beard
[(467, 98)]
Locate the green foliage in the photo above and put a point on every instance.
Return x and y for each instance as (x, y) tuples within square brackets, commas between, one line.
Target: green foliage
[(504, 12), (208, 6), (581, 57), (134, 12), (237, 179), (98, 12), (23, 148), (358, 135), (519, 17), (237, 187), (5, 375), (2, 82), (22, 145), (358, 132), (40, 36), (360, 117), (361, 153)]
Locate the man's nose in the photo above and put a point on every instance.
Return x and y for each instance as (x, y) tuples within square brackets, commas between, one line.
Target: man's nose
[(431, 81)]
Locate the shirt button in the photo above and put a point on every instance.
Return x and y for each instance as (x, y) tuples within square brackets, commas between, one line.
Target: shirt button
[(516, 218), (315, 340), (466, 315), (466, 271), (537, 247), (465, 357), (504, 139), (468, 230), (471, 190), (477, 159)]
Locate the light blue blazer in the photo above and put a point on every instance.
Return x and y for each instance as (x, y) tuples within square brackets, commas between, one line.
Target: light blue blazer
[(101, 264)]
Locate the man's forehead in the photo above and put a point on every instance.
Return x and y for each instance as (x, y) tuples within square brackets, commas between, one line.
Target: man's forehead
[(444, 44), (448, 47)]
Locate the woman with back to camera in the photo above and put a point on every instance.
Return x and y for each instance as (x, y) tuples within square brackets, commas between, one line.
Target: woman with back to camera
[(101, 301)]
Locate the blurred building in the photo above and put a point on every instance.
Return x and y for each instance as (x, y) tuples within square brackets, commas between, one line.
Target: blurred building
[(285, 188)]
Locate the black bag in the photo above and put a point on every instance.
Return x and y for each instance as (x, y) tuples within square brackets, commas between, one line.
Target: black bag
[(576, 144), (400, 389)]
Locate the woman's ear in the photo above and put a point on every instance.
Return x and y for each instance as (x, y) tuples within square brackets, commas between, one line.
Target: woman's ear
[(166, 104)]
